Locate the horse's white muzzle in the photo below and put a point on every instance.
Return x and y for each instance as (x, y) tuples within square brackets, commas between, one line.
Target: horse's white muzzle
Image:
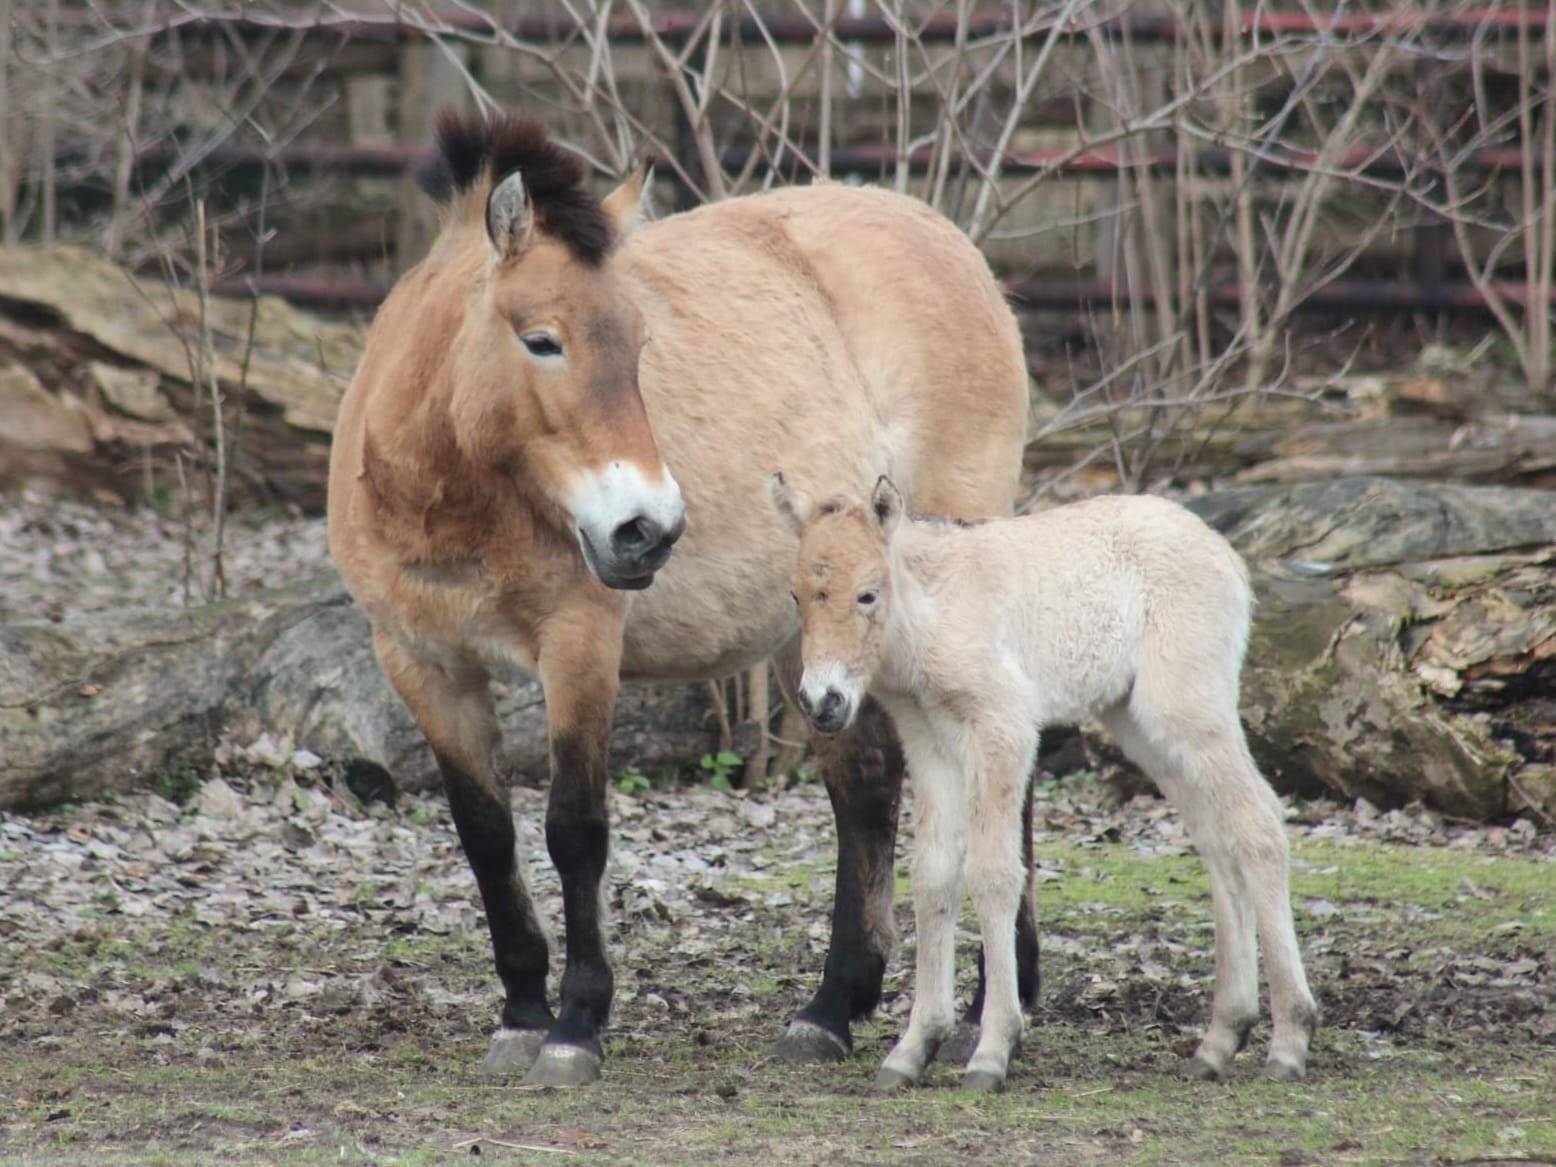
[(627, 525)]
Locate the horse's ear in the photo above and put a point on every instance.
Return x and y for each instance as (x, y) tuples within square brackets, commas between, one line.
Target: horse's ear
[(792, 505), (886, 504), (630, 205), (510, 216)]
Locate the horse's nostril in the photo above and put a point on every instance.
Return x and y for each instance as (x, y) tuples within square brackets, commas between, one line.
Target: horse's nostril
[(829, 704), (635, 537), (804, 700)]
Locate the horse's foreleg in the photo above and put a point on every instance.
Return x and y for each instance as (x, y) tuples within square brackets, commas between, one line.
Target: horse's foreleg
[(451, 702), (579, 662), (862, 769)]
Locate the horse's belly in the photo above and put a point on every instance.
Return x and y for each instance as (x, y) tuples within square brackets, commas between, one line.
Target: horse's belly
[(698, 624)]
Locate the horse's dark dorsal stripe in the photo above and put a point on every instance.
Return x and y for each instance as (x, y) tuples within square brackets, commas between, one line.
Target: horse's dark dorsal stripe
[(470, 146)]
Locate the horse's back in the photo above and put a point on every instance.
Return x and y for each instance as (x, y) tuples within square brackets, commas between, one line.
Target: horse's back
[(835, 333), (931, 349)]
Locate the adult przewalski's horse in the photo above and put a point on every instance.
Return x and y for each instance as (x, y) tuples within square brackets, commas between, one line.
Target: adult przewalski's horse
[(501, 491)]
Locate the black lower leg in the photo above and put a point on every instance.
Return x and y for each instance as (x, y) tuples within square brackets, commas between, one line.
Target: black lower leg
[(864, 781), (577, 836), (484, 820)]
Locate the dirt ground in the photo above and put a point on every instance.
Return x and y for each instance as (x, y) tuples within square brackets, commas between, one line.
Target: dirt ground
[(273, 972)]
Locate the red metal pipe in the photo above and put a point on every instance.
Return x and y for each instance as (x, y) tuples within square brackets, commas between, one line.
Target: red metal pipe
[(1060, 294), (868, 158), (787, 29)]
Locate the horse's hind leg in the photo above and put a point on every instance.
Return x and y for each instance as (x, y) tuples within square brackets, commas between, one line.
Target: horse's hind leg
[(862, 769), (451, 702)]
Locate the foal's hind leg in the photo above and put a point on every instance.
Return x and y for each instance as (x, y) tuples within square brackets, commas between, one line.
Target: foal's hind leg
[(1235, 821), (451, 702), (862, 768)]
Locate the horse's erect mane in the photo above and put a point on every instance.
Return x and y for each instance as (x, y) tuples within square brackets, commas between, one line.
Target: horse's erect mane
[(472, 147)]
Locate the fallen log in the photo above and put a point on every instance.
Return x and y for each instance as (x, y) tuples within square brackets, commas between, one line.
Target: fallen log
[(1404, 648), (108, 702), (96, 381)]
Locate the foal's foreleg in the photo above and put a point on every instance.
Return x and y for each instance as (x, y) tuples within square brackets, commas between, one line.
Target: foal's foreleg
[(940, 824), (959, 1048), (862, 769), (451, 702), (580, 654), (997, 877)]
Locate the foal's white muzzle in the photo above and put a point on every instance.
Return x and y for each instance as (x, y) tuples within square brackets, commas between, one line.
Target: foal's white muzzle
[(829, 697), (627, 525)]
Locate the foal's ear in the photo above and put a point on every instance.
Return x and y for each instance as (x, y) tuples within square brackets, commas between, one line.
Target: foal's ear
[(886, 504), (791, 504), (510, 216), (631, 205)]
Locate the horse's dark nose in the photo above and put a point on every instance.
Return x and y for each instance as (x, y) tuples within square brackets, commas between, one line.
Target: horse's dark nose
[(644, 543), (830, 714)]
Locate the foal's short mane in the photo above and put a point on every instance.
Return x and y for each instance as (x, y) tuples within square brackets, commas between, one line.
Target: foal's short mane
[(945, 520), (840, 503), (478, 151)]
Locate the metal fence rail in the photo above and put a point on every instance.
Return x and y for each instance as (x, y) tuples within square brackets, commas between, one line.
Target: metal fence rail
[(679, 27)]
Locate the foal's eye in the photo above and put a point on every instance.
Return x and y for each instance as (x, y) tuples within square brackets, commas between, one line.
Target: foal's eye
[(541, 344), (866, 599), (795, 598)]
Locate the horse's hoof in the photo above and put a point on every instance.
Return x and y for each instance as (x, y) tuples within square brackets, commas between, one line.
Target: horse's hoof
[(889, 1081), (1284, 1071), (805, 1041), (983, 1081), (513, 1051), (564, 1066), (1203, 1069), (959, 1047)]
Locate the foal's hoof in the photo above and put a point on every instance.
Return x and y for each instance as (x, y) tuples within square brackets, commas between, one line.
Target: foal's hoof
[(513, 1051), (564, 1066), (959, 1047), (805, 1041), (1203, 1069), (983, 1082), (890, 1081), (1284, 1071)]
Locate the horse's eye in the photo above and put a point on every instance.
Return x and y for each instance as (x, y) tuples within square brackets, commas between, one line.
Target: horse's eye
[(866, 599), (542, 344), (795, 598)]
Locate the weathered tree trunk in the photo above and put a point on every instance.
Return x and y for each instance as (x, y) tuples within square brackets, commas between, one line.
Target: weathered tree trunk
[(107, 702), (1405, 641), (1404, 647)]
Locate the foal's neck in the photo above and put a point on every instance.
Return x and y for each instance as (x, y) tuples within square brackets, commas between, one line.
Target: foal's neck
[(912, 623)]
